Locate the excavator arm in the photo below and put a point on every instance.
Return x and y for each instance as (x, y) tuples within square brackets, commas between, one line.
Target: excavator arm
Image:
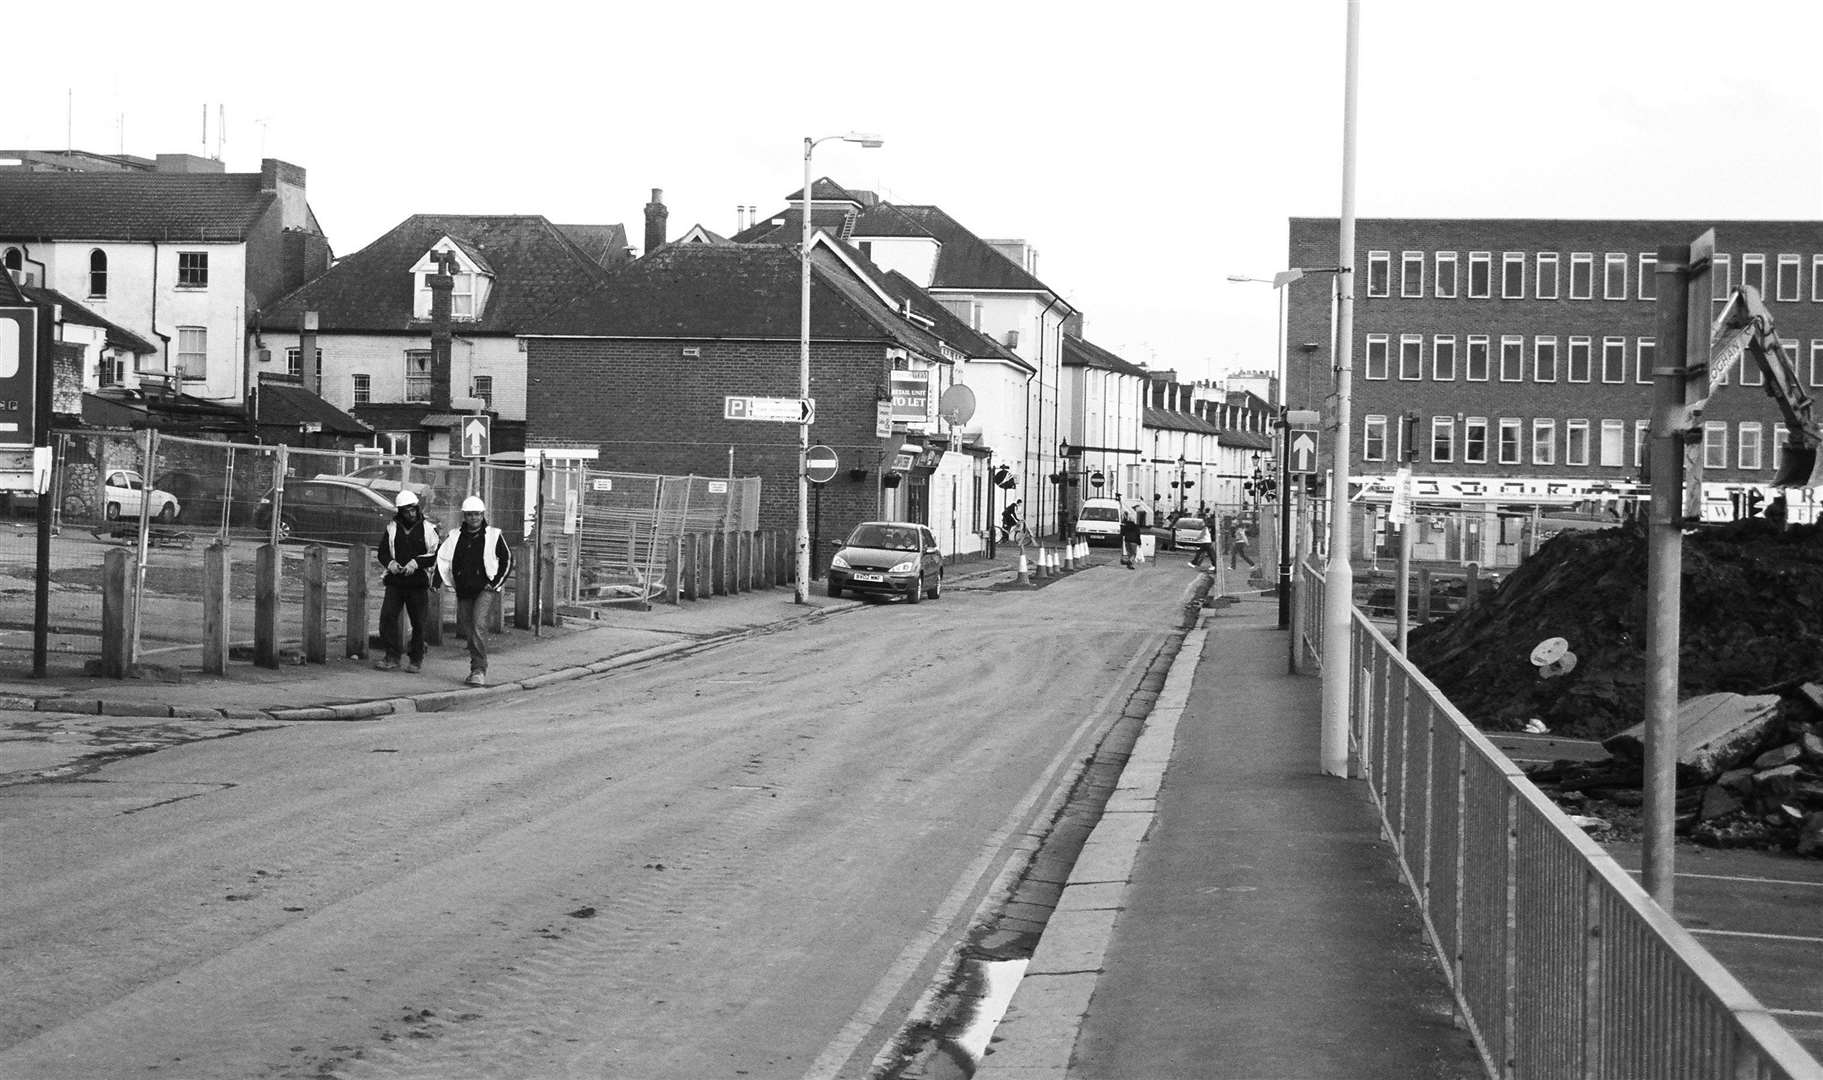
[(1745, 329)]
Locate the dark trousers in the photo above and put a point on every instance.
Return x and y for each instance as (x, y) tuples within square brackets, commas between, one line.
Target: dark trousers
[(415, 603), (1203, 551)]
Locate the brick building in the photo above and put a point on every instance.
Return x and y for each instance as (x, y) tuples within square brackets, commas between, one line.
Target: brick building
[(1525, 349)]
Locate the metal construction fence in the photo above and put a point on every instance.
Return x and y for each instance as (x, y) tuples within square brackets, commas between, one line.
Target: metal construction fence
[(1561, 965)]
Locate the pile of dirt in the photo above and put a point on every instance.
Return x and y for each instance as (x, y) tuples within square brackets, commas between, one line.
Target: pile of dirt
[(1752, 623)]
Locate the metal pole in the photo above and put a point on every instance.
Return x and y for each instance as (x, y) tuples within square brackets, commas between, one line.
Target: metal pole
[(1402, 596), (1664, 566), (1338, 588), (46, 442), (802, 593)]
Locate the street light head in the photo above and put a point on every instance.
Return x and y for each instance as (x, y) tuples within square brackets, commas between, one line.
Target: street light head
[(1286, 277), (1243, 277), (870, 142)]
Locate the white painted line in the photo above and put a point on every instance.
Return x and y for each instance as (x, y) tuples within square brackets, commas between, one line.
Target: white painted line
[(1795, 1012), (1762, 937), (1739, 879)]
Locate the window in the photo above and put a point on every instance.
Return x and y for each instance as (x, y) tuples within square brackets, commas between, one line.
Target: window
[(1443, 438), (1753, 273), (1411, 356), (1786, 286), (1379, 272), (1582, 275), (192, 269), (1509, 440), (1544, 359), (1648, 276), (1581, 352), (1613, 360), (192, 353), (1816, 362), (1715, 444), (1642, 435), (13, 259), (1547, 276), (1614, 276), (1544, 441), (1575, 442), (1645, 353), (1373, 438), (1475, 440), (482, 386), (294, 367), (1481, 274), (1747, 447), (1512, 275), (1721, 280), (1375, 365), (1477, 358), (363, 389), (1411, 273), (98, 274), (396, 443), (1444, 280), (417, 374), (462, 296), (1512, 358), (1816, 277), (1613, 442), (1443, 357)]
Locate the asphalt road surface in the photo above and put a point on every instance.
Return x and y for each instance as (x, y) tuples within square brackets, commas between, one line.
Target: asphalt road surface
[(745, 862)]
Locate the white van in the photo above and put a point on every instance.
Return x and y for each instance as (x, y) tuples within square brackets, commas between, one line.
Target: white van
[(1099, 521)]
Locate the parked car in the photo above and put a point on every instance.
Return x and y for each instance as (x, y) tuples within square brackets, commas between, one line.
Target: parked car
[(384, 477), (1187, 530), (126, 496), (338, 511), (888, 558), (201, 496)]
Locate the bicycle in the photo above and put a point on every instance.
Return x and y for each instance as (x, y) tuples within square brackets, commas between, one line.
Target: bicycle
[(1017, 534)]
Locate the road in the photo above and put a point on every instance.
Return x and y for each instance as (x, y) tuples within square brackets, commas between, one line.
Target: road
[(748, 861)]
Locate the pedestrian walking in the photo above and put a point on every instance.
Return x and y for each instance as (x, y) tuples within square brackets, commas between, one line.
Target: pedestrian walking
[(1129, 540), (1203, 542), (1237, 548), (475, 561), (408, 548)]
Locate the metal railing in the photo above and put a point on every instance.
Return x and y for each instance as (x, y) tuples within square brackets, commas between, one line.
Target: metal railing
[(1561, 965)]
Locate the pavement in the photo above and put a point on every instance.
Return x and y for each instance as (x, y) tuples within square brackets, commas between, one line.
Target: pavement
[(1234, 914)]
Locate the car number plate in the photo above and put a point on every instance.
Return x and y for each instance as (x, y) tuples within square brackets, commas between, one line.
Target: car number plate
[(870, 577)]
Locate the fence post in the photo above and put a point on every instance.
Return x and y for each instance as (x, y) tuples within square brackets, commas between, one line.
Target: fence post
[(522, 586), (1424, 594), (266, 606), (547, 567), (743, 569), (215, 609), (674, 569), (687, 565), (116, 620), (764, 541), (433, 615), (718, 563), (316, 607), (355, 632), (1471, 585)]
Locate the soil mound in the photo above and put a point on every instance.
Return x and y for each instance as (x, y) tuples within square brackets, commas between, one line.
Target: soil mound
[(1752, 623)]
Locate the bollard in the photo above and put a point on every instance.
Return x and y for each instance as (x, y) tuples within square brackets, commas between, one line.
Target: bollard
[(718, 563), (116, 609), (674, 569), (523, 588), (433, 615), (355, 632), (547, 584), (266, 606), (316, 604), (687, 563), (215, 609)]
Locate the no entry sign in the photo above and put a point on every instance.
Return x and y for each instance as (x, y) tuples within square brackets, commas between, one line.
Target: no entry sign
[(819, 464)]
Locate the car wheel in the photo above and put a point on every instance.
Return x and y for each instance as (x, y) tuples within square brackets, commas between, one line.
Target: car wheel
[(835, 590), (917, 591), (936, 591), (286, 527), (167, 513), (113, 511)]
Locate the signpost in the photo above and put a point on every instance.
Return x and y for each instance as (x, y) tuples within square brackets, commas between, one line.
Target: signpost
[(778, 409), (819, 468)]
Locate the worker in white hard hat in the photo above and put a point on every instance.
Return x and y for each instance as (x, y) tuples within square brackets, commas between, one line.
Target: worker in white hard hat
[(475, 561), (407, 551)]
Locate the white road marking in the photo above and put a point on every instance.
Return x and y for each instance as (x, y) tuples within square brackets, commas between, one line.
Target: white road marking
[(1749, 934), (1737, 878)]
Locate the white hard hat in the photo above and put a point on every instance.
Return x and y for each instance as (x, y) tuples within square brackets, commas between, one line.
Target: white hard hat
[(473, 502), (404, 499)]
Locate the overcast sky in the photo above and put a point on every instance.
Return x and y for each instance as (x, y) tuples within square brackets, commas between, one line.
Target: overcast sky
[(1147, 150)]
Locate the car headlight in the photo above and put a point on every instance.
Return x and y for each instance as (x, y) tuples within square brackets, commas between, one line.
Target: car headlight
[(838, 563), (905, 567)]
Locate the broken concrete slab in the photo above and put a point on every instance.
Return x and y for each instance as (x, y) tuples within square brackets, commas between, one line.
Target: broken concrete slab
[(1714, 731)]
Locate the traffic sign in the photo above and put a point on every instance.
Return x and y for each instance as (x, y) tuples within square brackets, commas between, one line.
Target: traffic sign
[(787, 410), (477, 436), (18, 376), (1302, 441), (819, 464)]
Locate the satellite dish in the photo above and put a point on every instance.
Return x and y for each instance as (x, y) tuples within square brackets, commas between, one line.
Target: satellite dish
[(1552, 657), (957, 405)]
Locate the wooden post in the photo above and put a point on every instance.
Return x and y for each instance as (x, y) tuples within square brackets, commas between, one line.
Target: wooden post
[(433, 615), (116, 617), (547, 567), (674, 569), (763, 541), (1471, 585), (522, 587), (316, 606), (1424, 594), (266, 605), (215, 609), (686, 583), (355, 633), (743, 562), (718, 563)]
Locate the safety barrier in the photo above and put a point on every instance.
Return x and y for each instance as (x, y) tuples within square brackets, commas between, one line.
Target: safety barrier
[(1560, 963)]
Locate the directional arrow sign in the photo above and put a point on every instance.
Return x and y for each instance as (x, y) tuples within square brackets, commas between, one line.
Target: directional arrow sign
[(787, 410), (477, 436), (1304, 453)]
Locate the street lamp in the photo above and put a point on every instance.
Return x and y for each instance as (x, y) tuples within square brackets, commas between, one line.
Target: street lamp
[(803, 537), (1181, 490)]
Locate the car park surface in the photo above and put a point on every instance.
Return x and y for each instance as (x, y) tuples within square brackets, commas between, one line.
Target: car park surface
[(888, 558)]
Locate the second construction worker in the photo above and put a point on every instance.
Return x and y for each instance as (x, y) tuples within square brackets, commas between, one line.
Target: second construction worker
[(475, 561)]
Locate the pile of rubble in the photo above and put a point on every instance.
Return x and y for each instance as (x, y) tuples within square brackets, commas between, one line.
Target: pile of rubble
[(1560, 646)]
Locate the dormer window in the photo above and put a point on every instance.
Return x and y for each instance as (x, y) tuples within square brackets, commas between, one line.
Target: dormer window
[(470, 280)]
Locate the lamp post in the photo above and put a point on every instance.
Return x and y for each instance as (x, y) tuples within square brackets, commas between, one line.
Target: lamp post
[(803, 537), (1181, 491)]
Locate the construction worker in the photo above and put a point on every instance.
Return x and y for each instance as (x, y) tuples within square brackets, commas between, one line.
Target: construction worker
[(476, 561), (408, 547)]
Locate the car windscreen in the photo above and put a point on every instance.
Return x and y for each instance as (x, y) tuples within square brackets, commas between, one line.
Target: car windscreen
[(889, 537), (1098, 513)]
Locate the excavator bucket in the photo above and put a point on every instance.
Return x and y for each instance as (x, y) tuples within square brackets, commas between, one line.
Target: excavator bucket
[(1797, 467)]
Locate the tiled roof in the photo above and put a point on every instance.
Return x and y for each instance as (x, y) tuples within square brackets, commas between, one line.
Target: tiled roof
[(1167, 420), (1250, 440), (787, 226), (966, 261), (283, 403), (958, 334), (9, 291), (1080, 353), (737, 291), (130, 205), (606, 244), (118, 336), (536, 267)]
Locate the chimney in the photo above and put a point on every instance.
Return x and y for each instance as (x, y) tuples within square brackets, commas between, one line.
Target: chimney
[(655, 221), (441, 285), (740, 219)]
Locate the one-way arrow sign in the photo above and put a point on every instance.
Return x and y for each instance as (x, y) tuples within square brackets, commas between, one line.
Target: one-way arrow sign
[(1304, 453), (477, 436)]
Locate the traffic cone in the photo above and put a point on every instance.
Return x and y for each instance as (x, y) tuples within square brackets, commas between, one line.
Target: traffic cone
[(1025, 574), (1044, 563), (1068, 551)]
